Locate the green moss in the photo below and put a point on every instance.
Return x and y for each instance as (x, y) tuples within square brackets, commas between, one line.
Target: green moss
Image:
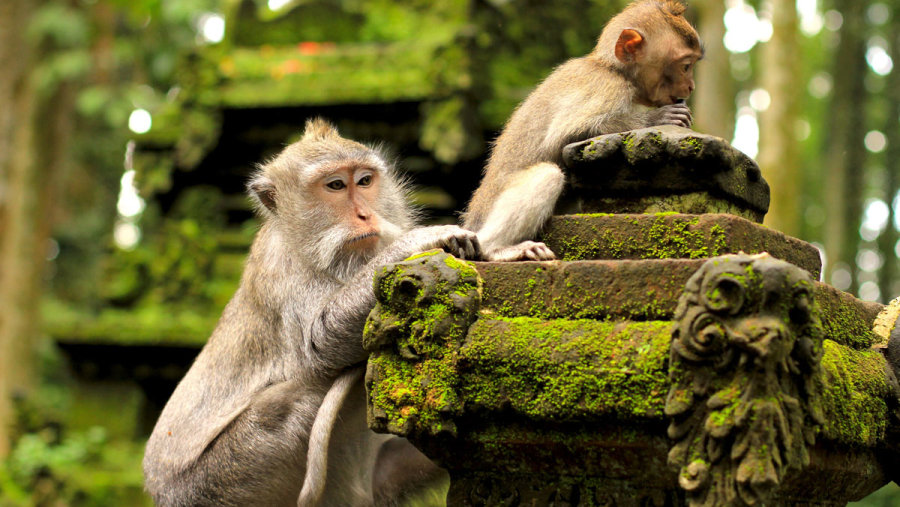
[(414, 333), (426, 253), (855, 391), (844, 320), (691, 144), (466, 269), (567, 369), (412, 396), (669, 236)]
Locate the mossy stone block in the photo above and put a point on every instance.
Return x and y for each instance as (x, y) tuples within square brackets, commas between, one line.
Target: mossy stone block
[(653, 166), (671, 236), (641, 290)]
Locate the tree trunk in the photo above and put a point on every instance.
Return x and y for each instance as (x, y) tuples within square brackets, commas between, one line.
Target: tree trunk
[(887, 276), (779, 154), (34, 140), (713, 101), (845, 153)]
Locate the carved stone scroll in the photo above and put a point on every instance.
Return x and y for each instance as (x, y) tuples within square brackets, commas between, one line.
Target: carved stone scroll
[(746, 379), (425, 306)]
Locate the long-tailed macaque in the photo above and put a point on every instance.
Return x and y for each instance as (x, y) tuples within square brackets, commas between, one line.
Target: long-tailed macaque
[(278, 388), (638, 75)]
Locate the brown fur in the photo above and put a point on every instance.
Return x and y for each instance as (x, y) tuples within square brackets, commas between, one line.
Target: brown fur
[(600, 93)]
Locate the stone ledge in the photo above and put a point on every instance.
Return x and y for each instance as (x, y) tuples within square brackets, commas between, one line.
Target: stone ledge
[(640, 290), (671, 236)]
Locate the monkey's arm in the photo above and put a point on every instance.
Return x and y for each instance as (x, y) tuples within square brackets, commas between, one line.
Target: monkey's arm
[(519, 212), (333, 332), (640, 117)]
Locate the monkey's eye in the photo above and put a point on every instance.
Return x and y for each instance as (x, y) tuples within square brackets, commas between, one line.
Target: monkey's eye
[(687, 67), (365, 181), (336, 184)]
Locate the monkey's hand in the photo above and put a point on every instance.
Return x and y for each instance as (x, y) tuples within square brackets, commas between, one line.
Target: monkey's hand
[(454, 240), (673, 114), (524, 251)]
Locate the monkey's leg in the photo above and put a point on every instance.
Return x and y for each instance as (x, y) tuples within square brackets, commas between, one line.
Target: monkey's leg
[(519, 213), (403, 473)]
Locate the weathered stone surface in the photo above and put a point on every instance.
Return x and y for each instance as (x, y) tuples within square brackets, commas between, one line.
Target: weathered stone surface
[(845, 319), (745, 399), (565, 370), (651, 168), (641, 290), (631, 289), (671, 236), (885, 322), (571, 410), (425, 307)]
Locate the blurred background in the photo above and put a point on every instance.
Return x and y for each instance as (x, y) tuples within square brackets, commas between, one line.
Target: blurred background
[(128, 129)]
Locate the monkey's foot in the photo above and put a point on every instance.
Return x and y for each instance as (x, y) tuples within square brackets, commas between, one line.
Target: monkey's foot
[(524, 251)]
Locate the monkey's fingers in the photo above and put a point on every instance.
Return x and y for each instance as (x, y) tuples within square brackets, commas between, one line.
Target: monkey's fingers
[(540, 252), (470, 247), (473, 248), (535, 251), (454, 247), (679, 119)]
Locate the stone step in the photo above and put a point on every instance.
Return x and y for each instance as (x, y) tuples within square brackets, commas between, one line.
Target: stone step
[(671, 236), (640, 290)]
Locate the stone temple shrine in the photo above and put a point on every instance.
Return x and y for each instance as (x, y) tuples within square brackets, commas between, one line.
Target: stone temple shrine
[(677, 353)]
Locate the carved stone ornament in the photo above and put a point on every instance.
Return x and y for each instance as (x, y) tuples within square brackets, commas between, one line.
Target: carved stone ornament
[(425, 306), (746, 379)]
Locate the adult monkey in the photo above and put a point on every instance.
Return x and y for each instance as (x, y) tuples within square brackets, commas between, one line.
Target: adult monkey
[(638, 75), (236, 429)]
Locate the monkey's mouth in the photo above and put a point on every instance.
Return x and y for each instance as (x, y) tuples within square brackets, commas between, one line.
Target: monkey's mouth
[(362, 237)]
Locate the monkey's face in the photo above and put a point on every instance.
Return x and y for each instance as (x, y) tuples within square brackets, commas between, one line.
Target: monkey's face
[(350, 194), (668, 75)]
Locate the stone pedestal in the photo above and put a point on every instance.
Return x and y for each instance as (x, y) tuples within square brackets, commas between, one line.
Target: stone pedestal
[(664, 360)]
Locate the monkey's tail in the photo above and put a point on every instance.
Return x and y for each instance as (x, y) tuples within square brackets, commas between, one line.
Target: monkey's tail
[(320, 435)]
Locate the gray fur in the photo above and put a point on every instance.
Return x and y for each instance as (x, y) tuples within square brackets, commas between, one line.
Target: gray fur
[(237, 427)]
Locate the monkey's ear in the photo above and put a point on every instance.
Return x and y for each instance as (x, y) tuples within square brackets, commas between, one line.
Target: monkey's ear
[(629, 45), (262, 190), (318, 128)]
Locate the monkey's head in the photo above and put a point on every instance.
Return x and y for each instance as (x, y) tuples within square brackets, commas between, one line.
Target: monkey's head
[(655, 47), (334, 201)]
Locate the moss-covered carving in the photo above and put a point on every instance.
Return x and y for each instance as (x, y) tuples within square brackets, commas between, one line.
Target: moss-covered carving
[(425, 307), (745, 398), (664, 169)]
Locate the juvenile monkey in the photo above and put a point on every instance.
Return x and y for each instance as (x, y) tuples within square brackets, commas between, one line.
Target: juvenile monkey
[(637, 76), (237, 429)]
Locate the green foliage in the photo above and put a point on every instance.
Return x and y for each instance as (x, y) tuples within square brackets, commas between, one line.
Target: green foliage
[(78, 468), (174, 265), (523, 49), (55, 463)]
